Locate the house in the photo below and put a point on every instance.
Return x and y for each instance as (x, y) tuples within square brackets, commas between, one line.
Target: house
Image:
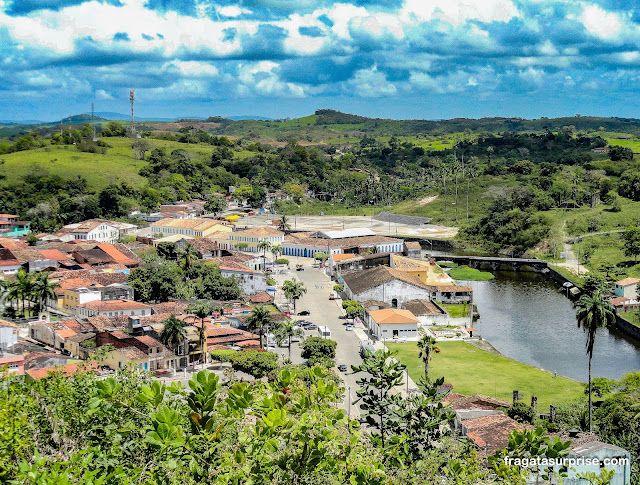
[(249, 280), (34, 261), (427, 271), (385, 284), (490, 433), (627, 288), (157, 356), (412, 249), (196, 228), (10, 226), (452, 293), (590, 454), (79, 296), (9, 264), (427, 312), (254, 237), (338, 264), (66, 370), (41, 360), (262, 298), (94, 230), (113, 308), (8, 335), (77, 345), (14, 364), (392, 323), (622, 304), (356, 240)]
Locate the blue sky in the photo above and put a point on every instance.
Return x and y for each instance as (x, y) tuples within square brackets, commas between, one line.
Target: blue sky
[(277, 58)]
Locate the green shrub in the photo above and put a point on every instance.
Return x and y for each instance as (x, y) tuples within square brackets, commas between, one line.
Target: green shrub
[(521, 412), (254, 362)]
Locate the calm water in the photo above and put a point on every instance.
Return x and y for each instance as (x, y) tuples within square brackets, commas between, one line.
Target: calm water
[(525, 317)]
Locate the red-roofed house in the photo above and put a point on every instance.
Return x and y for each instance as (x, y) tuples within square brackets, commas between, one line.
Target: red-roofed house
[(66, 370), (114, 308), (627, 288), (14, 363)]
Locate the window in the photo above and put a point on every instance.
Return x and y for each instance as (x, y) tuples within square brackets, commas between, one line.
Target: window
[(394, 303)]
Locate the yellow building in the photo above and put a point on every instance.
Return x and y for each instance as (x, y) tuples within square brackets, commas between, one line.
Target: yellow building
[(196, 228), (253, 237), (427, 271)]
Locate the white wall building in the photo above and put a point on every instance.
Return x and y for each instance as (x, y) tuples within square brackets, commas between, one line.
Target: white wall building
[(392, 323), (94, 230), (353, 240), (628, 288), (249, 280), (8, 334), (113, 308)]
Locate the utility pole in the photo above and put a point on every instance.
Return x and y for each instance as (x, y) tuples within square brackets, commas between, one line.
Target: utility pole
[(444, 180), (456, 196)]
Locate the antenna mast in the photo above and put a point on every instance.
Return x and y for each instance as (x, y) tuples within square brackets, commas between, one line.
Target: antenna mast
[(93, 125), (132, 128)]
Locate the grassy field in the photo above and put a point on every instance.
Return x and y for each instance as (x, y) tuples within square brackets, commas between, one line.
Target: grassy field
[(456, 310), (118, 164), (472, 370), (632, 317), (469, 274)]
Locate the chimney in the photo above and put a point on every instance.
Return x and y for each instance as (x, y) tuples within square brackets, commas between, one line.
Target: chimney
[(534, 403), (516, 396), (552, 413)]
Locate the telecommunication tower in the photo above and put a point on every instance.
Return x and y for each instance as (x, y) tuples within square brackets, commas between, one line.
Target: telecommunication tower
[(93, 124), (132, 128)]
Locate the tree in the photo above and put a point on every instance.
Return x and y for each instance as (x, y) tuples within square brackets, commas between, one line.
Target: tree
[(202, 309), (427, 345), (593, 312), (43, 290), (521, 412), (187, 256), (293, 290), (259, 318), (283, 224), (630, 185), (167, 250), (318, 350), (382, 374), (255, 362), (264, 245), (155, 283), (631, 238), (216, 204), (284, 331), (276, 250), (140, 148), (173, 333)]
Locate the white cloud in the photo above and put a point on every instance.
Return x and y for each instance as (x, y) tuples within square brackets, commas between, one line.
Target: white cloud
[(372, 83), (102, 94), (195, 68), (262, 78), (232, 11), (457, 12), (601, 23)]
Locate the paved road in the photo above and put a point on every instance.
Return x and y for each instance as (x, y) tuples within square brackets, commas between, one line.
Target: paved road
[(325, 312)]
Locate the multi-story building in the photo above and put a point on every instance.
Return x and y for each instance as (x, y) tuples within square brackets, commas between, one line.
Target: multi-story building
[(113, 308), (196, 228), (250, 239), (94, 230)]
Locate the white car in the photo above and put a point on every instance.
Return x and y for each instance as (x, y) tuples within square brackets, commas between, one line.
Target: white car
[(349, 328)]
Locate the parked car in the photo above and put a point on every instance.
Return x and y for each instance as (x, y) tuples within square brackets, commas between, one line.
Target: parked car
[(313, 326), (342, 367), (305, 312), (333, 295), (299, 267), (349, 328)]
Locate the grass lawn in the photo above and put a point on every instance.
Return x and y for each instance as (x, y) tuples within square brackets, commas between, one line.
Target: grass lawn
[(632, 317), (456, 310), (570, 275), (472, 370), (470, 274)]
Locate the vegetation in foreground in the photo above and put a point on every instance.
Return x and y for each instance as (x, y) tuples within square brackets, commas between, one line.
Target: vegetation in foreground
[(470, 274), (472, 370)]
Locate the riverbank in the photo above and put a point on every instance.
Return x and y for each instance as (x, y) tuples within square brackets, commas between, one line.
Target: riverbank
[(471, 370)]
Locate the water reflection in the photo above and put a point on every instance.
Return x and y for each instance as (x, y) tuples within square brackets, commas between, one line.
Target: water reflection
[(525, 317)]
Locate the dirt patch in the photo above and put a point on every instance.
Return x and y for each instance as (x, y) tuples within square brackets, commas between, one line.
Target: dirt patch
[(426, 200)]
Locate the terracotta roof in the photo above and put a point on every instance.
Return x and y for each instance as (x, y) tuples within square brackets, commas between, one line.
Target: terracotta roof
[(102, 323), (229, 265), (113, 305), (402, 262), (412, 245), (81, 337), (371, 278), (7, 258), (262, 297), (475, 401), (259, 231), (4, 323), (119, 334), (342, 257), (449, 288), (66, 332), (392, 316), (619, 300), (491, 433), (11, 243), (93, 256), (54, 254), (150, 342), (249, 343), (116, 255), (628, 282), (422, 307), (195, 224), (89, 225), (67, 370), (218, 235), (242, 257), (132, 353), (8, 216), (169, 306), (28, 255)]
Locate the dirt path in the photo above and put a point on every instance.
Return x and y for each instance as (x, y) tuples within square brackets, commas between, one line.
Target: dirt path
[(426, 200), (571, 261)]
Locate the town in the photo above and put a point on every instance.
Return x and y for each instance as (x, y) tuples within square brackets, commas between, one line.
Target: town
[(98, 296)]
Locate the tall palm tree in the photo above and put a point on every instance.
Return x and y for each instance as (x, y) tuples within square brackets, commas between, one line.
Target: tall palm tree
[(264, 245), (23, 287), (276, 250), (201, 310), (427, 346), (283, 224), (173, 333), (293, 290), (259, 318), (593, 312), (187, 256), (43, 290), (285, 330)]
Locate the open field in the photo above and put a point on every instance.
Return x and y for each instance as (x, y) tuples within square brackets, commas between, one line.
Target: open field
[(472, 370)]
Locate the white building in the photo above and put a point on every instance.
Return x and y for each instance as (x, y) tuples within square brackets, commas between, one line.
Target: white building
[(249, 280), (75, 297), (252, 238), (427, 312), (354, 240), (196, 228), (113, 308), (385, 284), (8, 334), (94, 230), (392, 323)]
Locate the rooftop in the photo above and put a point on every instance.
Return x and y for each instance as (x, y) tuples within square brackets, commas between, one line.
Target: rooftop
[(392, 316), (628, 282), (491, 433), (195, 224), (370, 278), (113, 305), (422, 307), (344, 233), (260, 231)]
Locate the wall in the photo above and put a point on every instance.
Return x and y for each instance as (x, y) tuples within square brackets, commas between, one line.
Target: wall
[(388, 291), (405, 330)]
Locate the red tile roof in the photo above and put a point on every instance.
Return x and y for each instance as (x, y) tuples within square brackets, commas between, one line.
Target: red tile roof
[(628, 282), (491, 433), (67, 370), (262, 297), (114, 305)]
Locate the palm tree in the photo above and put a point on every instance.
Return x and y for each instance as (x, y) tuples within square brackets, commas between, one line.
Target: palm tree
[(173, 333), (201, 310), (259, 318), (23, 285), (293, 290), (283, 224), (285, 330), (43, 290), (276, 250), (427, 346), (593, 312), (187, 256), (264, 245)]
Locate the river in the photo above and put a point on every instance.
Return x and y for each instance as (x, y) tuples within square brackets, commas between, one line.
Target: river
[(526, 317)]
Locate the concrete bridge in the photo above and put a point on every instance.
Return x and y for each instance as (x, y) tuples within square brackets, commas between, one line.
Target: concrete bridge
[(497, 264)]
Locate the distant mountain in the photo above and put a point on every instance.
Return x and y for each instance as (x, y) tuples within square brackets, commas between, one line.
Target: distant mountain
[(22, 122), (249, 117)]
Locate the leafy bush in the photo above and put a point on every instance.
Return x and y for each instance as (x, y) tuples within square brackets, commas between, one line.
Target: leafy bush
[(222, 355), (254, 362), (318, 350), (521, 412)]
